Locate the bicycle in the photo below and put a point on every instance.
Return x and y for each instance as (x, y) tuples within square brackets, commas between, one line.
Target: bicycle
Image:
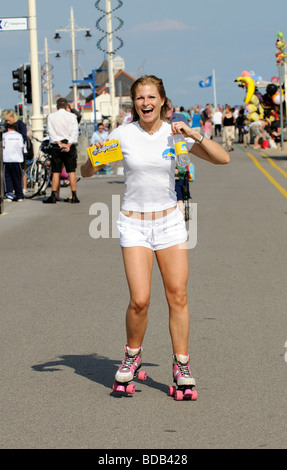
[(39, 171)]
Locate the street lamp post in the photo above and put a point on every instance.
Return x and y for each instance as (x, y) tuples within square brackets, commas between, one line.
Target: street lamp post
[(49, 88), (48, 75), (111, 63), (37, 117), (75, 89), (72, 28), (108, 33)]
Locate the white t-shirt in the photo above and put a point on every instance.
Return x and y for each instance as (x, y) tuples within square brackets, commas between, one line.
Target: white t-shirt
[(217, 117), (149, 167), (63, 125), (12, 147)]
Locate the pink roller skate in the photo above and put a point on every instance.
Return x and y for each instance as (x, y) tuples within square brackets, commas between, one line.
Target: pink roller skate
[(183, 379), (128, 370)]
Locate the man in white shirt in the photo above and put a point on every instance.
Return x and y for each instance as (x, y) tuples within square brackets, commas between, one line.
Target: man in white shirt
[(216, 120), (63, 133)]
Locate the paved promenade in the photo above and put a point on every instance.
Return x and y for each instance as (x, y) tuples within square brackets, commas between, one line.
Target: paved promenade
[(63, 301)]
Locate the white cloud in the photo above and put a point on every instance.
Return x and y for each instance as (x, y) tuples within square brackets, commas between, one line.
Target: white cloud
[(163, 25)]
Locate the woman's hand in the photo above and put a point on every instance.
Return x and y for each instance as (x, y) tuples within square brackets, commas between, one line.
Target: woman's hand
[(187, 131), (207, 150), (87, 169), (99, 144)]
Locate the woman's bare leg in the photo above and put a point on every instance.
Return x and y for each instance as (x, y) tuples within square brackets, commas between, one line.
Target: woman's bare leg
[(173, 264), (138, 263)]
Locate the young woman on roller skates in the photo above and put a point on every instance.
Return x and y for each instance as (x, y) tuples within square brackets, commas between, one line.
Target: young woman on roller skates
[(150, 222)]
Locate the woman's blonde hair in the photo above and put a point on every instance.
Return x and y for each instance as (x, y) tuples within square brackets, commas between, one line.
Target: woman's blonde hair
[(7, 113), (149, 80)]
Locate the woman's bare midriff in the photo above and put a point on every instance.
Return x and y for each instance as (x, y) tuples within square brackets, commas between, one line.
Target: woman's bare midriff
[(148, 215)]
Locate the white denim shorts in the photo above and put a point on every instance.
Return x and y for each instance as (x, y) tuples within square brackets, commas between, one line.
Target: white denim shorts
[(154, 234)]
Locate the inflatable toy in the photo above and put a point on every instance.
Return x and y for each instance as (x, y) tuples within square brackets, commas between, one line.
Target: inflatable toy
[(248, 82), (253, 117), (276, 98), (258, 105), (271, 89), (281, 46)]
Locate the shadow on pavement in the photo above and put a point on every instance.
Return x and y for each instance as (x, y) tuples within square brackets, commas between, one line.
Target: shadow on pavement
[(278, 157), (94, 367)]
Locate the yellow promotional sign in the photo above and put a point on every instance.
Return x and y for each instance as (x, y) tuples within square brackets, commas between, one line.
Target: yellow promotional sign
[(109, 152)]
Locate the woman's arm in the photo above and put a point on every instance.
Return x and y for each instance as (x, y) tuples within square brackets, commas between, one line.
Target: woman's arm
[(207, 149)]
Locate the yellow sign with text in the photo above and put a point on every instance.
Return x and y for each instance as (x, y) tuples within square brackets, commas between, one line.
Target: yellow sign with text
[(109, 152)]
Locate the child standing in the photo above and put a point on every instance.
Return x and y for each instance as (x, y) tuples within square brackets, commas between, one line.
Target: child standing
[(207, 128), (13, 147)]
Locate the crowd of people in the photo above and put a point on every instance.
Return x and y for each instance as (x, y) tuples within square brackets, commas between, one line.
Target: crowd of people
[(230, 124), (18, 152)]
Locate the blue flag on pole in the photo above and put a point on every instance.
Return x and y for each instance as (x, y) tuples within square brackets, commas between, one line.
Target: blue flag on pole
[(206, 83)]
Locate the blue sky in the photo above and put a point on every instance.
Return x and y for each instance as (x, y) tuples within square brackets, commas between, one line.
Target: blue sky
[(181, 42)]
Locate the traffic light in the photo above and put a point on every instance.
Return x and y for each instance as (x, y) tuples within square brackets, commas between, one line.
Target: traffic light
[(27, 83), (19, 76), (19, 109)]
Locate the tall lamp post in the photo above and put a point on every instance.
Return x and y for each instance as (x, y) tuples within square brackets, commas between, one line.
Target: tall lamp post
[(72, 28), (108, 33), (37, 117), (48, 69), (111, 62)]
